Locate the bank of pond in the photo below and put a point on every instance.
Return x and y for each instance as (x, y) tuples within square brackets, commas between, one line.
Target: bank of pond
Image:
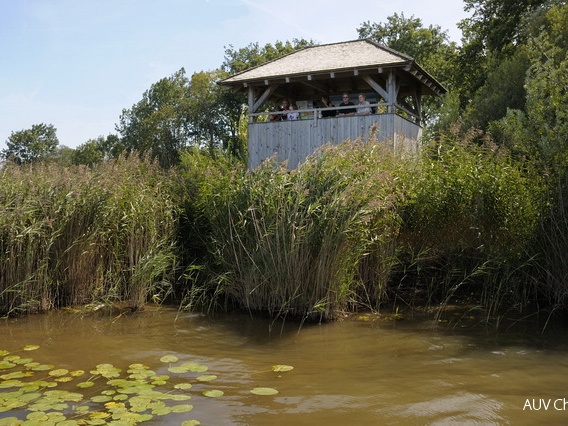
[(357, 227)]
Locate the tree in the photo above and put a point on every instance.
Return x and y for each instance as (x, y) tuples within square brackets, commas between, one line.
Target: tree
[(430, 47), (494, 33), (158, 124), (25, 146), (90, 152)]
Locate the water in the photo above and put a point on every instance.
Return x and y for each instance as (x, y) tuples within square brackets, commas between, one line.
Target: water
[(360, 371)]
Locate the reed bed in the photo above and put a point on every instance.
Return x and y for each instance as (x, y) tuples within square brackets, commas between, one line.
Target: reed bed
[(358, 226), (304, 242), (79, 235)]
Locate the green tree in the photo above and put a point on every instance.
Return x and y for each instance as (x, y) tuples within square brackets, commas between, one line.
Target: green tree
[(430, 47), (158, 125), (25, 146), (504, 89), (493, 33), (90, 152), (547, 87)]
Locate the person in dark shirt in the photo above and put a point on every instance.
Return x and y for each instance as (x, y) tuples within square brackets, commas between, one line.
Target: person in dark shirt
[(327, 104), (284, 110), (346, 102)]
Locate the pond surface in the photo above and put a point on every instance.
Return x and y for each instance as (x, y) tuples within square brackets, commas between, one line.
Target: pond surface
[(360, 371)]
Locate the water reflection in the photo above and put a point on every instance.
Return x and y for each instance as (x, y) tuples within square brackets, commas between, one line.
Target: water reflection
[(362, 371)]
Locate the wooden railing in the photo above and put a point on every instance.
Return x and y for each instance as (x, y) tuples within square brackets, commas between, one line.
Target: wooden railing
[(294, 140)]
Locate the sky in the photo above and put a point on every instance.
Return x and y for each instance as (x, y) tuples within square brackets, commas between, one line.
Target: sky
[(76, 64)]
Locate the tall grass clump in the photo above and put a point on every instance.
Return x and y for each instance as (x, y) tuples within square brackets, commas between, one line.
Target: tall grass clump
[(470, 221), (310, 242), (72, 236), (552, 247)]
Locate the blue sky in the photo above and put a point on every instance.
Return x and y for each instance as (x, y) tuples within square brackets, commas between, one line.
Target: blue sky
[(76, 64)]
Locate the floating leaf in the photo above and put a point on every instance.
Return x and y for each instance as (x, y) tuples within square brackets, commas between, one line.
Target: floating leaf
[(190, 423), (101, 398), (12, 358), (135, 367), (107, 370), (207, 378), (264, 391), (177, 370), (282, 368), (10, 384), (4, 352), (23, 361), (30, 347), (214, 393), (37, 416), (42, 367), (59, 372), (6, 365), (99, 414), (183, 386), (16, 375), (182, 408), (85, 385), (64, 379), (76, 373), (169, 359), (179, 397)]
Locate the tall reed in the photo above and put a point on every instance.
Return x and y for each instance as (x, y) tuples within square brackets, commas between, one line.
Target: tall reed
[(71, 236), (473, 214), (294, 242)]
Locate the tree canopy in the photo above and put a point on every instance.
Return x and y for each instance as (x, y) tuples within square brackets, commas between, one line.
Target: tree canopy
[(29, 145)]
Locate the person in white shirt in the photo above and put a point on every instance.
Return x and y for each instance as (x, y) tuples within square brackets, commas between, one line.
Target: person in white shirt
[(292, 115), (365, 109)]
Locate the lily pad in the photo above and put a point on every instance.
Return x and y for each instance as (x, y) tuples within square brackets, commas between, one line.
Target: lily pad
[(282, 368), (85, 385), (59, 372), (30, 347), (207, 378), (182, 408), (169, 359), (183, 386), (6, 365), (213, 393), (264, 391)]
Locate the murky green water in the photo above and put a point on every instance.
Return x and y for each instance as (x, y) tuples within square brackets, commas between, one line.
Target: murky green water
[(353, 372)]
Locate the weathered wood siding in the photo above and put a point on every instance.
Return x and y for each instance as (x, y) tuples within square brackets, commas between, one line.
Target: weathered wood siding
[(294, 141)]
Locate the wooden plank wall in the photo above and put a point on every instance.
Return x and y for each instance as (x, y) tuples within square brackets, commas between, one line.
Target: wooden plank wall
[(294, 141)]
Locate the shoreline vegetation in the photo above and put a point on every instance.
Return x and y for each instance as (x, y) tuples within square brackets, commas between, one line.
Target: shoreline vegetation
[(356, 227)]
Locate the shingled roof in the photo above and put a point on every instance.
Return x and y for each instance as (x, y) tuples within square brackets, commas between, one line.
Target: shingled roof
[(333, 66)]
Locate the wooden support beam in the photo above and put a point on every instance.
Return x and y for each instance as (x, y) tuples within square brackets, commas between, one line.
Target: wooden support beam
[(376, 87), (251, 103), (392, 91), (262, 99)]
